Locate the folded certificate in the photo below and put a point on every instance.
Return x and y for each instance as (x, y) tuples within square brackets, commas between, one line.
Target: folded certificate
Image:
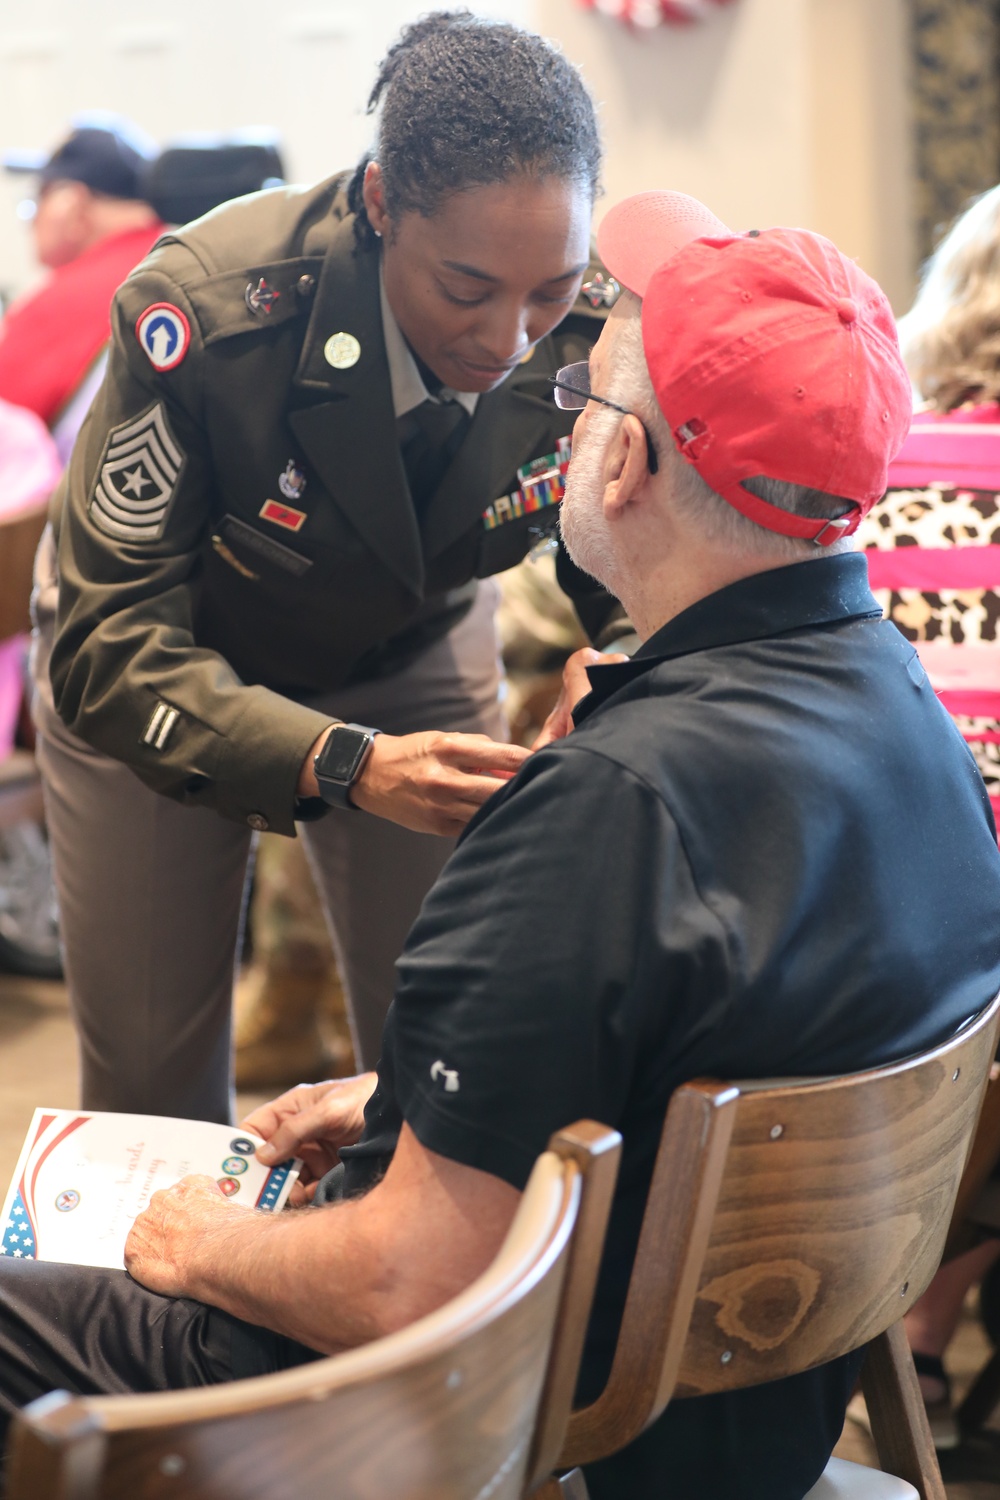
[(82, 1178)]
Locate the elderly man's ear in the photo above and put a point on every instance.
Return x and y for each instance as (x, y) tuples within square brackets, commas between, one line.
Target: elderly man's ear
[(626, 467)]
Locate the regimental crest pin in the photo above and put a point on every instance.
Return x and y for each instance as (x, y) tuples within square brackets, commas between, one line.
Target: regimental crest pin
[(292, 482), (138, 479), (260, 298)]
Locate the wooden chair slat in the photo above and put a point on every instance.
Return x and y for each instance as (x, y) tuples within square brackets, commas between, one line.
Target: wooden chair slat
[(458, 1392), (790, 1222)]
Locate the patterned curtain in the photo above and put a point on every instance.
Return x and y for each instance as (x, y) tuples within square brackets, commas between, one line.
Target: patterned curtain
[(956, 84)]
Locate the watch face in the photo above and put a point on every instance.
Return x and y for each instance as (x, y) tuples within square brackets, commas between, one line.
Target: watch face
[(341, 755)]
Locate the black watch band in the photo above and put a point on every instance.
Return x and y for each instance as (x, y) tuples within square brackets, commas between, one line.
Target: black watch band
[(341, 761)]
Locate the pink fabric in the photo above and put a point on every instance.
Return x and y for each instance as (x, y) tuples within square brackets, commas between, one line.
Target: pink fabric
[(949, 468), (11, 682), (974, 705), (960, 449), (965, 668), (933, 568), (29, 463)]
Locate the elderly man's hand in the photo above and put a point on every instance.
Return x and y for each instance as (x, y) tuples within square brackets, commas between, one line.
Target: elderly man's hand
[(181, 1222), (312, 1121), (575, 686)]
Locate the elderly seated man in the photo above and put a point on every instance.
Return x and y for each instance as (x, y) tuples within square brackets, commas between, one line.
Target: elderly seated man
[(759, 847)]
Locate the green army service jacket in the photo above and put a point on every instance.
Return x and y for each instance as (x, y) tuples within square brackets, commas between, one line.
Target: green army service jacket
[(197, 602)]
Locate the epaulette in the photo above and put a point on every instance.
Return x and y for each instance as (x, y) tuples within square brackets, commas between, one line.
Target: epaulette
[(254, 297)]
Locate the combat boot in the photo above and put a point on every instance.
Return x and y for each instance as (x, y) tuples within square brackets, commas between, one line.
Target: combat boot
[(278, 1037)]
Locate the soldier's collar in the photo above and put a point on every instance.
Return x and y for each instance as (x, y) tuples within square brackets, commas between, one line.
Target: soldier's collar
[(346, 302)]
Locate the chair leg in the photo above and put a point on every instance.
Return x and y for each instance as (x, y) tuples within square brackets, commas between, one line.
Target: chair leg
[(899, 1420), (982, 1398)]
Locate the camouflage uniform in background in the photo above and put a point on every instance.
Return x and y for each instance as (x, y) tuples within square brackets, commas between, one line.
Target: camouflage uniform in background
[(290, 1023)]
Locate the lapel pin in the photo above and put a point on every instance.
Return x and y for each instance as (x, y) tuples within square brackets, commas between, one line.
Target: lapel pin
[(342, 350), (260, 298), (292, 482)]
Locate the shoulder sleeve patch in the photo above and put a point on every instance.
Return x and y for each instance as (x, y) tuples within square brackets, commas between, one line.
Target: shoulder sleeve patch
[(165, 335), (138, 478)]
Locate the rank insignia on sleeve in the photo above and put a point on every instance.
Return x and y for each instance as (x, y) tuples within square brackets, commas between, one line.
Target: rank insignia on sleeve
[(282, 515), (138, 479), (160, 726), (165, 334), (541, 485)]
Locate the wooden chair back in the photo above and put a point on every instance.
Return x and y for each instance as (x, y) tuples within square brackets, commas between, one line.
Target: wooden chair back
[(19, 538), (788, 1223), (444, 1410)]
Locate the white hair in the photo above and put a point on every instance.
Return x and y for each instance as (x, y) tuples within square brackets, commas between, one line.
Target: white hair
[(718, 522), (950, 338)]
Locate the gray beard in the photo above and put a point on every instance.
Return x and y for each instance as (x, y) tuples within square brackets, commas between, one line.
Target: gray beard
[(581, 519)]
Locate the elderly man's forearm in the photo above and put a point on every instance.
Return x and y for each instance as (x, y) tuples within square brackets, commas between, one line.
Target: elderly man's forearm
[(313, 1275)]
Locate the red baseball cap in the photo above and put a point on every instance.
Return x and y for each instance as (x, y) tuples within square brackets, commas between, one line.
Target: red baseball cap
[(770, 353)]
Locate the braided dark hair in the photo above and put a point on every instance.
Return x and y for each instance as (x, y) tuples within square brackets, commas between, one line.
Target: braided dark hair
[(467, 102)]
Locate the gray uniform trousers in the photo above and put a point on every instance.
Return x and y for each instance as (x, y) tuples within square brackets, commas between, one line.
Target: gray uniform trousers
[(151, 893)]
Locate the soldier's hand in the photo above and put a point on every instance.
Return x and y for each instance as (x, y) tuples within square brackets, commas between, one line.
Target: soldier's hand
[(575, 686), (312, 1120), (431, 782)]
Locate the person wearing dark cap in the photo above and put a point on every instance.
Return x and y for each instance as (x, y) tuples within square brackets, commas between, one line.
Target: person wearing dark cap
[(91, 226), (711, 866), (189, 179)]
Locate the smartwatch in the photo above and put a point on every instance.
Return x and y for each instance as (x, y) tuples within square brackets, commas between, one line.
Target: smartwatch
[(341, 761)]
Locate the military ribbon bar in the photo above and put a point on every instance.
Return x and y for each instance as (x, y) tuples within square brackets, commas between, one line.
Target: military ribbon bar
[(539, 484)]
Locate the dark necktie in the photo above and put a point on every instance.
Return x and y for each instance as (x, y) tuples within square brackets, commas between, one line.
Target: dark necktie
[(429, 437)]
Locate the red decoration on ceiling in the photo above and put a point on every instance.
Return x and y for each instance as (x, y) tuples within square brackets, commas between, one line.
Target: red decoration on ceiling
[(644, 15)]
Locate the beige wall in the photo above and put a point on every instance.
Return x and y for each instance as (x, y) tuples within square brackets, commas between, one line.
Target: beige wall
[(772, 111)]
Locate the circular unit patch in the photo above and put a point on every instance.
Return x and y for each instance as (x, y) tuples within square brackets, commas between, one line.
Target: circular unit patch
[(165, 334), (342, 350), (234, 1166)]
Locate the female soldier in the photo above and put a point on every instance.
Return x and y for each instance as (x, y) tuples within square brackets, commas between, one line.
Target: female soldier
[(270, 546)]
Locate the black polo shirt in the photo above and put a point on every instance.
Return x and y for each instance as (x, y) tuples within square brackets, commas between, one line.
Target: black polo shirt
[(763, 850)]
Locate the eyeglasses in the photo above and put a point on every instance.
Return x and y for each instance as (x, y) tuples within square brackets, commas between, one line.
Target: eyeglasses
[(572, 392)]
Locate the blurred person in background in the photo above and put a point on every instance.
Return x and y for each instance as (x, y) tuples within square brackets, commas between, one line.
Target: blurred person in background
[(933, 549), (90, 226), (29, 471)]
